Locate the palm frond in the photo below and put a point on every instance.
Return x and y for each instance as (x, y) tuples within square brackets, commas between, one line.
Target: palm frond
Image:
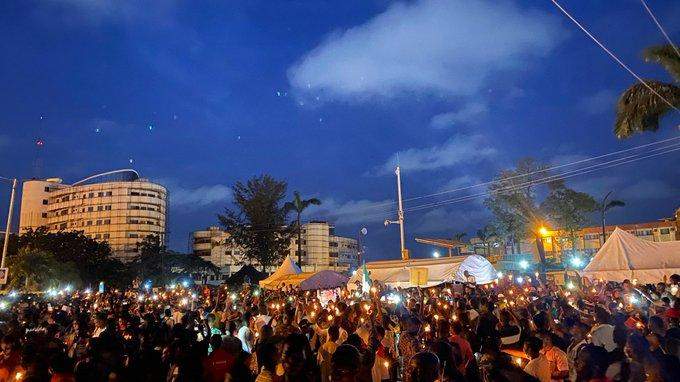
[(666, 56), (639, 109), (614, 203)]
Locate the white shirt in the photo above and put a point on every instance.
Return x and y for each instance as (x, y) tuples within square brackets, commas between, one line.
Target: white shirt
[(245, 335), (603, 335)]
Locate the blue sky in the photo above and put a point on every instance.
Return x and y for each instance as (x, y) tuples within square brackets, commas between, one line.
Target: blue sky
[(328, 95)]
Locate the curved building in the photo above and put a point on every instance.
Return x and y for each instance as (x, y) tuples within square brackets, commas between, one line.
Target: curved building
[(118, 207)]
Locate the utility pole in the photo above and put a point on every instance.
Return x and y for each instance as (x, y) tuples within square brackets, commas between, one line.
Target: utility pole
[(9, 223), (400, 217)]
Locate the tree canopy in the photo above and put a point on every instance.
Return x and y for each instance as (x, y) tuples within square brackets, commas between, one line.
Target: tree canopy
[(257, 221)]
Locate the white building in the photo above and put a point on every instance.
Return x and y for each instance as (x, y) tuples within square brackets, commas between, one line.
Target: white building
[(321, 249), (118, 207)]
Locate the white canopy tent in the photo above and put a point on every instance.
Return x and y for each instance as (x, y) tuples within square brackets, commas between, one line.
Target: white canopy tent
[(625, 256), (287, 270), (427, 272)]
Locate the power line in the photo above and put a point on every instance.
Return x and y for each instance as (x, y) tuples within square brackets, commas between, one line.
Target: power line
[(548, 179), (612, 55), (541, 181), (550, 168), (658, 24)]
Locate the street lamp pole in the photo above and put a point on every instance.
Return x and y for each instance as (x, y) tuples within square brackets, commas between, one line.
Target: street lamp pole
[(400, 217), (9, 223)]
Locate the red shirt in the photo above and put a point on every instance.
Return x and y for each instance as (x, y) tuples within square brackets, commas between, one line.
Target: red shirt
[(465, 350), (217, 365)]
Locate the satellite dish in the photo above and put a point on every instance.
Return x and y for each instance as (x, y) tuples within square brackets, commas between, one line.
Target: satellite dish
[(364, 231)]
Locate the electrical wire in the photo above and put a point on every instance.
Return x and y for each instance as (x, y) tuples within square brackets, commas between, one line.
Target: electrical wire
[(612, 55), (550, 168), (552, 178), (658, 24)]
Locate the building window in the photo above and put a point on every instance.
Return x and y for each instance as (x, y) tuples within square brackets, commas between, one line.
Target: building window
[(107, 221), (100, 194), (100, 208), (47, 189), (62, 226), (90, 195), (665, 231), (89, 222), (134, 193), (106, 236), (109, 193), (44, 215), (90, 209), (97, 236), (99, 222), (44, 202), (133, 236), (108, 208)]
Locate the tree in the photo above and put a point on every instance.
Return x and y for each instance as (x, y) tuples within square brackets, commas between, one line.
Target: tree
[(457, 238), (512, 200), (160, 265), (92, 259), (486, 235), (35, 269), (638, 108), (298, 205), (606, 206), (568, 209), (257, 223)]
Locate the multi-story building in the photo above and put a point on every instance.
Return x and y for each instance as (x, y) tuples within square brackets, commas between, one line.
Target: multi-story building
[(321, 249), (118, 207)]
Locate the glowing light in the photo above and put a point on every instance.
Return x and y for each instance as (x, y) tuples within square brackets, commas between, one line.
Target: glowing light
[(3, 305), (154, 297), (13, 294), (88, 291), (518, 361), (520, 279), (543, 231), (576, 262), (185, 283), (524, 264), (330, 317), (374, 290), (570, 285), (634, 300), (435, 254), (256, 292), (499, 274), (184, 301), (674, 289), (233, 297), (386, 364), (427, 328), (68, 288), (140, 298)]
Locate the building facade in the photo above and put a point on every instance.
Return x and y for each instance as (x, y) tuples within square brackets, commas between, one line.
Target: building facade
[(321, 249), (118, 207)]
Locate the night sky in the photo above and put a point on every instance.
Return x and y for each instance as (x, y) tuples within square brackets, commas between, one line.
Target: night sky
[(328, 95)]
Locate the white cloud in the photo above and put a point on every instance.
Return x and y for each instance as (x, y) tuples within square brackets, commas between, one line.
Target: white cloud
[(458, 149), (354, 211), (449, 46), (469, 113), (600, 102), (200, 196), (649, 189)]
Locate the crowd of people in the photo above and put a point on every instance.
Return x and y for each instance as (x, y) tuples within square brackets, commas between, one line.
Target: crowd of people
[(518, 328)]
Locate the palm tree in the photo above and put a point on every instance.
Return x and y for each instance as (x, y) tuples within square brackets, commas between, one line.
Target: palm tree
[(484, 235), (299, 205), (639, 109), (606, 206), (457, 238)]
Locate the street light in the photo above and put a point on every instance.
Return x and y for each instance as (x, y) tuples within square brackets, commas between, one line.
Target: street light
[(524, 264), (435, 254), (543, 231), (9, 223)]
